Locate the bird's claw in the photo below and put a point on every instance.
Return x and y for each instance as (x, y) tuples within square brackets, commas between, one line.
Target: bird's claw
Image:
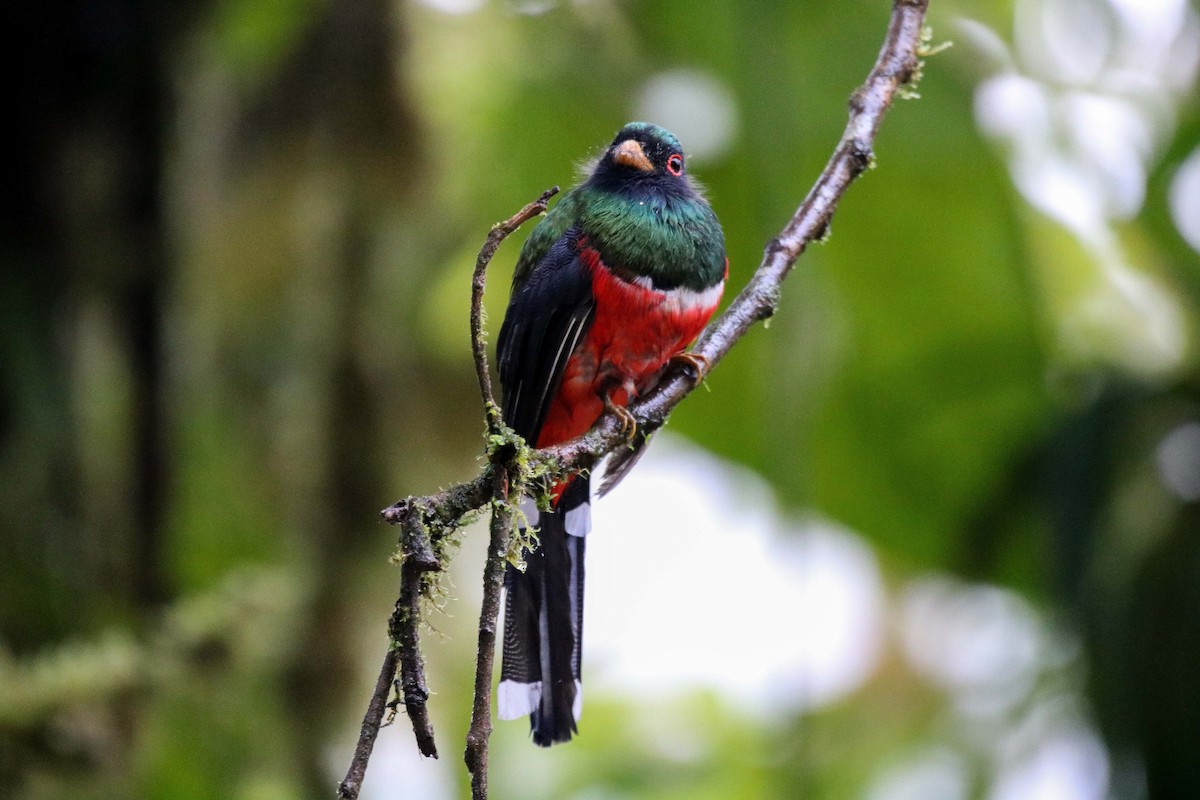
[(695, 365), (624, 418)]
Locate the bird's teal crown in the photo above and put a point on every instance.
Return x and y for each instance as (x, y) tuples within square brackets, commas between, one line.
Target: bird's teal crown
[(650, 131)]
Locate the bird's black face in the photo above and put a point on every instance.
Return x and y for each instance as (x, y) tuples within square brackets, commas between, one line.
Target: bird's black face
[(642, 153)]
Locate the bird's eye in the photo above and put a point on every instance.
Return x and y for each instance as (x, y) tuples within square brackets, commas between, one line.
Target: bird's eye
[(675, 164)]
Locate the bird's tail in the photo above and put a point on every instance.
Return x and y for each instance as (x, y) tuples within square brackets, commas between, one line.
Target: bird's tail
[(543, 622)]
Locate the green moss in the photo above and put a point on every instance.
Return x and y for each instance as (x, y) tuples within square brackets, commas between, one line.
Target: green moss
[(925, 49)]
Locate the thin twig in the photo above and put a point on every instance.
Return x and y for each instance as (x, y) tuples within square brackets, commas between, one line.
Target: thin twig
[(352, 783), (499, 232), (476, 754), (897, 65)]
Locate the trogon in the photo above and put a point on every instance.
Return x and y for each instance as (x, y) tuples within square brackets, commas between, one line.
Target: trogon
[(615, 281)]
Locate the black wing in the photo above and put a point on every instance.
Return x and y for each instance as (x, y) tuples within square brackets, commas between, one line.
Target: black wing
[(548, 315)]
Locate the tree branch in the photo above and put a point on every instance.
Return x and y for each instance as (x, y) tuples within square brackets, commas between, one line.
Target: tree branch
[(499, 232), (404, 629), (476, 754), (436, 515), (352, 783)]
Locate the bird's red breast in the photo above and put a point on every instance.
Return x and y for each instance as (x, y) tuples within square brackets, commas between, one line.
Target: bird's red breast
[(634, 333)]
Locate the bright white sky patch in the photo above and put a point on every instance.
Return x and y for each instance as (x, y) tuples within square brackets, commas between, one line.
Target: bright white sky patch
[(1178, 457), (1185, 200), (694, 582), (1067, 40), (1083, 108), (1070, 765), (454, 6), (695, 106), (983, 643), (396, 762), (937, 772)]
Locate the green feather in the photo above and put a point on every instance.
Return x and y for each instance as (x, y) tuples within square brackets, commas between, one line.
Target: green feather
[(674, 240)]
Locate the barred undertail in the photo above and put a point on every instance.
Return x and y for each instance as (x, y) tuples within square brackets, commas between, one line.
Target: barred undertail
[(543, 621)]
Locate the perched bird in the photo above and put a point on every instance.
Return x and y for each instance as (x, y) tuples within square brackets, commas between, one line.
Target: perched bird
[(611, 285)]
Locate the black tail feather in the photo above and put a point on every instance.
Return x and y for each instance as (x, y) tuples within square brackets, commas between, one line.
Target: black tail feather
[(553, 721), (543, 626)]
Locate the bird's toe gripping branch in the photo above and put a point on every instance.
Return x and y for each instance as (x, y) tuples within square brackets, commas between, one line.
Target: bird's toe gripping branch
[(625, 418), (694, 365)]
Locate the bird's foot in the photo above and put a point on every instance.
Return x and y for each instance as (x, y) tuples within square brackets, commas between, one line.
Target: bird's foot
[(695, 365), (624, 418)]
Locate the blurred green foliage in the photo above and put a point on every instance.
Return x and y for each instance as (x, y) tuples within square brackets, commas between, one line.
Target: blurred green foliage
[(233, 286)]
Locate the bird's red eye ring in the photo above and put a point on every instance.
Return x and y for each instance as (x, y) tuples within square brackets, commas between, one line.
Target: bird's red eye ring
[(675, 164)]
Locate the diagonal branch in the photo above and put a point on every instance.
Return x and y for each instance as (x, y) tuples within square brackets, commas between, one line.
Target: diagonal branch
[(372, 721), (898, 65)]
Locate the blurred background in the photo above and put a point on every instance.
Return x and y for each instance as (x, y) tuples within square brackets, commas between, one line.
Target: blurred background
[(933, 533)]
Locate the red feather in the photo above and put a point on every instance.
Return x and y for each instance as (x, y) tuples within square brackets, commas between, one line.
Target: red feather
[(634, 333)]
